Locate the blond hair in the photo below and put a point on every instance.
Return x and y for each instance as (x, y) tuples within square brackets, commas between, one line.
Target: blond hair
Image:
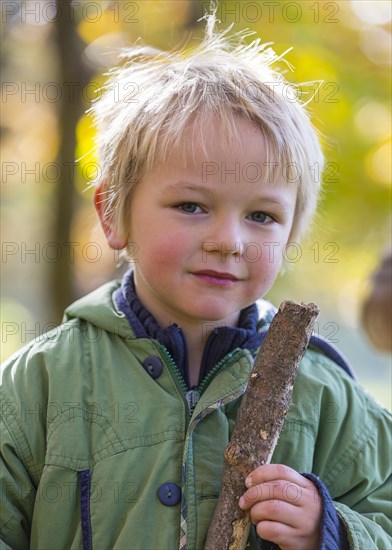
[(151, 103)]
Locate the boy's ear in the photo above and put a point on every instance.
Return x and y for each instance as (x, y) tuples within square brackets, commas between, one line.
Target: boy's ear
[(114, 238)]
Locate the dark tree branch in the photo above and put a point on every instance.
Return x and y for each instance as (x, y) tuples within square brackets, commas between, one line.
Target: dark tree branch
[(73, 76)]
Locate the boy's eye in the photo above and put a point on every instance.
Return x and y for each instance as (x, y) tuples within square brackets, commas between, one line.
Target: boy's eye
[(260, 217), (189, 207)]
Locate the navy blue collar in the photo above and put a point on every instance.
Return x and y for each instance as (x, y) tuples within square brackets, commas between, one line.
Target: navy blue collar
[(220, 342)]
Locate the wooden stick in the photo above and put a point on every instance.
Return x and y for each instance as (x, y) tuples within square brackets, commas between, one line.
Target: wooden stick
[(260, 419)]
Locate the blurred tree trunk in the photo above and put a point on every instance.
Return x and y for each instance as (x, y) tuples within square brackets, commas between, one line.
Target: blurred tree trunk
[(73, 77)]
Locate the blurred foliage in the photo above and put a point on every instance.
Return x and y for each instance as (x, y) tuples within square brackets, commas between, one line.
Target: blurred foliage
[(340, 49)]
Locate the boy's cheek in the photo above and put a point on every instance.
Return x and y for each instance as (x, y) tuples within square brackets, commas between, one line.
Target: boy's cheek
[(162, 249), (267, 269)]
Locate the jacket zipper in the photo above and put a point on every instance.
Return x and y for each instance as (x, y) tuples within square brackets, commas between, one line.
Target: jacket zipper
[(192, 396), (228, 359), (217, 367)]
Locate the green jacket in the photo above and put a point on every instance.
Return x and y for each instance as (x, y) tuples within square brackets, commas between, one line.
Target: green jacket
[(91, 438)]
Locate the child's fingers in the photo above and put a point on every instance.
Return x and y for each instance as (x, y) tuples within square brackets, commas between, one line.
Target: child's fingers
[(284, 506), (277, 490), (277, 511), (274, 531), (285, 523), (274, 472)]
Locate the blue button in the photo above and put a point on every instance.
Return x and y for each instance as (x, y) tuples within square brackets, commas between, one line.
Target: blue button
[(153, 366), (169, 494)]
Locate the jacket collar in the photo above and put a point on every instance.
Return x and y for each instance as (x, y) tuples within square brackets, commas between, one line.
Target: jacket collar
[(220, 342)]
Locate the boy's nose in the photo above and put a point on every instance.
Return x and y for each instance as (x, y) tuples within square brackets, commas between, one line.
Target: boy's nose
[(226, 239), (224, 248)]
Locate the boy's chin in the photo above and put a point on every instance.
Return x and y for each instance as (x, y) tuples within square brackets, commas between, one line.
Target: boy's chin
[(218, 317)]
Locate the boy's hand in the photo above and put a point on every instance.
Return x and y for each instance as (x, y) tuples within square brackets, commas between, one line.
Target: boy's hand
[(284, 506)]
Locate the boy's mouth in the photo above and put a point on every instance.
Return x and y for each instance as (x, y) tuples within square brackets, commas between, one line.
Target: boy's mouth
[(216, 277)]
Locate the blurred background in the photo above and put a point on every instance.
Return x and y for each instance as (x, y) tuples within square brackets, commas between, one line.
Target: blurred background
[(53, 60)]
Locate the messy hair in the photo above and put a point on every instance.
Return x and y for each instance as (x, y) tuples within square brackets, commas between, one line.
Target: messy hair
[(154, 100)]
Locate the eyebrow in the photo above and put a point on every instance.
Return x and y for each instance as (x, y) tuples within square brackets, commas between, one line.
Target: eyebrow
[(285, 204), (179, 187)]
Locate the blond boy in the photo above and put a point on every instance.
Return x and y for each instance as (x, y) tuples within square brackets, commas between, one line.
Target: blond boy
[(208, 172)]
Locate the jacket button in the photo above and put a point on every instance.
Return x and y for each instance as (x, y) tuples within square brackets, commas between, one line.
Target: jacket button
[(169, 494), (153, 366)]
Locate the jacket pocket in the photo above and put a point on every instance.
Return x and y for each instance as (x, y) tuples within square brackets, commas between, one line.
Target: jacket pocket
[(79, 439)]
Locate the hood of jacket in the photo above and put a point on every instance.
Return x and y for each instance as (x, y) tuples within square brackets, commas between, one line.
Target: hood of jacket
[(99, 309)]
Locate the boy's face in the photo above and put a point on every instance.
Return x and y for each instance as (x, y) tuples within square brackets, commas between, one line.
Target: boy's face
[(209, 235)]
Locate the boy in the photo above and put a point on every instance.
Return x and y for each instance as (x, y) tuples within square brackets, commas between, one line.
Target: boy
[(115, 425)]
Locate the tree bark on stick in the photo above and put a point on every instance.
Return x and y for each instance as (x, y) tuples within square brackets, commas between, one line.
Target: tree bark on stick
[(261, 415)]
